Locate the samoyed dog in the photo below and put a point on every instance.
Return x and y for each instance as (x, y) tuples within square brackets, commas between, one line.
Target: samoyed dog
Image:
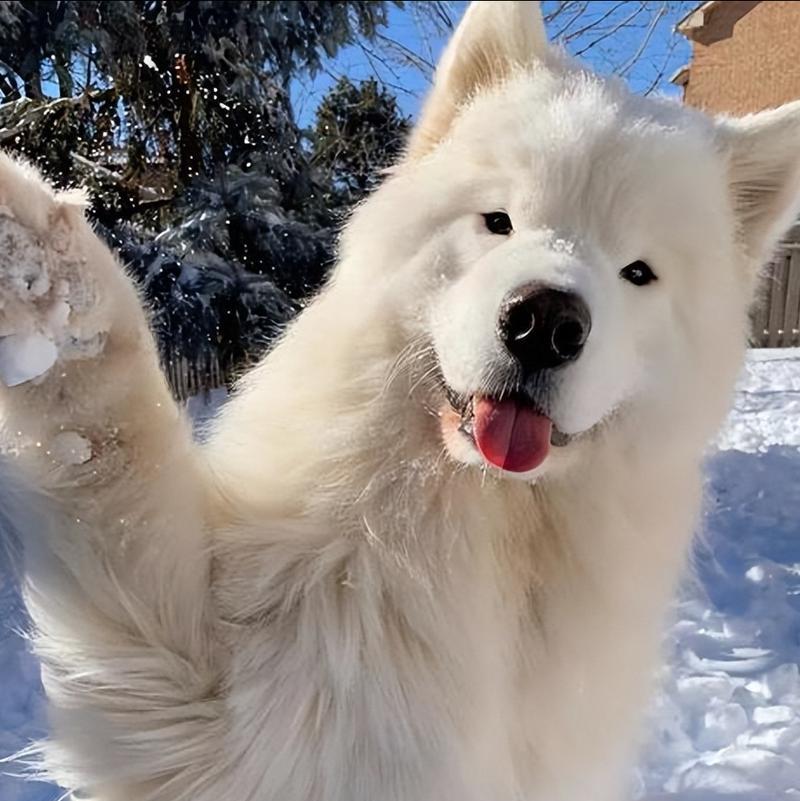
[(427, 551)]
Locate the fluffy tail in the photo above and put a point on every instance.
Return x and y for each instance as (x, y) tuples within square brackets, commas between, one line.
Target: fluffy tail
[(134, 710)]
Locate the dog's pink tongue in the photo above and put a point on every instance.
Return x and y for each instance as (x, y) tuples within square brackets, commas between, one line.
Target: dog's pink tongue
[(511, 435)]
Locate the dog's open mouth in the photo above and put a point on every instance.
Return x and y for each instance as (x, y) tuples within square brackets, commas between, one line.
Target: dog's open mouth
[(510, 433)]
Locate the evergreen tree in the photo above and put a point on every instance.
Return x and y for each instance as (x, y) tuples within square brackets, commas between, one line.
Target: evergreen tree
[(359, 132), (175, 114)]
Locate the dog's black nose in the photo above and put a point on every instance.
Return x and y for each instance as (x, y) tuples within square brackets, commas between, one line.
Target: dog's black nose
[(544, 328)]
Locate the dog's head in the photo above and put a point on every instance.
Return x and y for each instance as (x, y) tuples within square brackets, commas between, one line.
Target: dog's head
[(565, 257)]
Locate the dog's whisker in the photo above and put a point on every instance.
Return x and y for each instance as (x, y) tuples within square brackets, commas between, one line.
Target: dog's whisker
[(405, 363), (427, 375)]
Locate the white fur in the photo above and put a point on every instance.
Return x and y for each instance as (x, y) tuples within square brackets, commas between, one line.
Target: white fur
[(331, 603)]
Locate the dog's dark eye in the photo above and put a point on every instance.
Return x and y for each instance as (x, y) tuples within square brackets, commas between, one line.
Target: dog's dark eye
[(638, 273), (498, 222)]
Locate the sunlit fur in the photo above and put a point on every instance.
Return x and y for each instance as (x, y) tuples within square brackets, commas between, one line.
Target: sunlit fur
[(330, 602)]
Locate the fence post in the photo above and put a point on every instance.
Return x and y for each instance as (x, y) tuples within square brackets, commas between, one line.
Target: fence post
[(775, 314)]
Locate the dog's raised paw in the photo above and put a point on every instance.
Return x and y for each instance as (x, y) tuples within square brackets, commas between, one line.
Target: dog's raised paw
[(44, 291)]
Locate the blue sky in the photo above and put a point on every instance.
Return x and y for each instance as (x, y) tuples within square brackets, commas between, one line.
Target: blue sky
[(635, 39)]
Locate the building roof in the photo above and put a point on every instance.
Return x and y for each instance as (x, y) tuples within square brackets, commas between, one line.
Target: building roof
[(681, 76), (697, 19)]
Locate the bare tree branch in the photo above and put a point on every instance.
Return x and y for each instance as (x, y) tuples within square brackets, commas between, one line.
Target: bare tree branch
[(611, 31), (595, 23), (645, 41), (414, 59), (579, 9)]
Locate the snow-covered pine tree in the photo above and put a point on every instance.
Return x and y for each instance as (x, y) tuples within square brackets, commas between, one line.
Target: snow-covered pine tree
[(176, 116), (359, 132)]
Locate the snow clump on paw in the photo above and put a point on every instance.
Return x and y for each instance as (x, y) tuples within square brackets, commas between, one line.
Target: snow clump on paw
[(43, 291)]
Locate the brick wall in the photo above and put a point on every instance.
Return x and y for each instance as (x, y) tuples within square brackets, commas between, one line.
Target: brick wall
[(746, 58)]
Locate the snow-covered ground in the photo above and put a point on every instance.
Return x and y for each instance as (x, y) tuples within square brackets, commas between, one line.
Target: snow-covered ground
[(726, 726)]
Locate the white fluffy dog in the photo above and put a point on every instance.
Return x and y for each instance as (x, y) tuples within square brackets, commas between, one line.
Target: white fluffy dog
[(426, 553)]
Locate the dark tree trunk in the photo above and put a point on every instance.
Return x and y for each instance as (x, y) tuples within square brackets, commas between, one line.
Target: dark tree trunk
[(190, 160)]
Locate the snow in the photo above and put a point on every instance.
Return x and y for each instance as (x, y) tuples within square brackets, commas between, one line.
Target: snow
[(767, 409), (202, 408), (725, 725), (70, 448), (24, 357)]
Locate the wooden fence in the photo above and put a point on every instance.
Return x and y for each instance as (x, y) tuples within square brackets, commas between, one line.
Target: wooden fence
[(776, 312), (187, 378)]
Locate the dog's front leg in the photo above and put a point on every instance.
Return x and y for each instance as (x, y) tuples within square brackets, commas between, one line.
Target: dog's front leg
[(110, 510)]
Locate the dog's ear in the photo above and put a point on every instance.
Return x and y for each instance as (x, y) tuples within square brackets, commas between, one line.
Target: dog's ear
[(764, 168), (493, 39)]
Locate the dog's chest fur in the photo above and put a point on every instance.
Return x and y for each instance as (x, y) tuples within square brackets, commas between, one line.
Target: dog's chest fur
[(450, 657)]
